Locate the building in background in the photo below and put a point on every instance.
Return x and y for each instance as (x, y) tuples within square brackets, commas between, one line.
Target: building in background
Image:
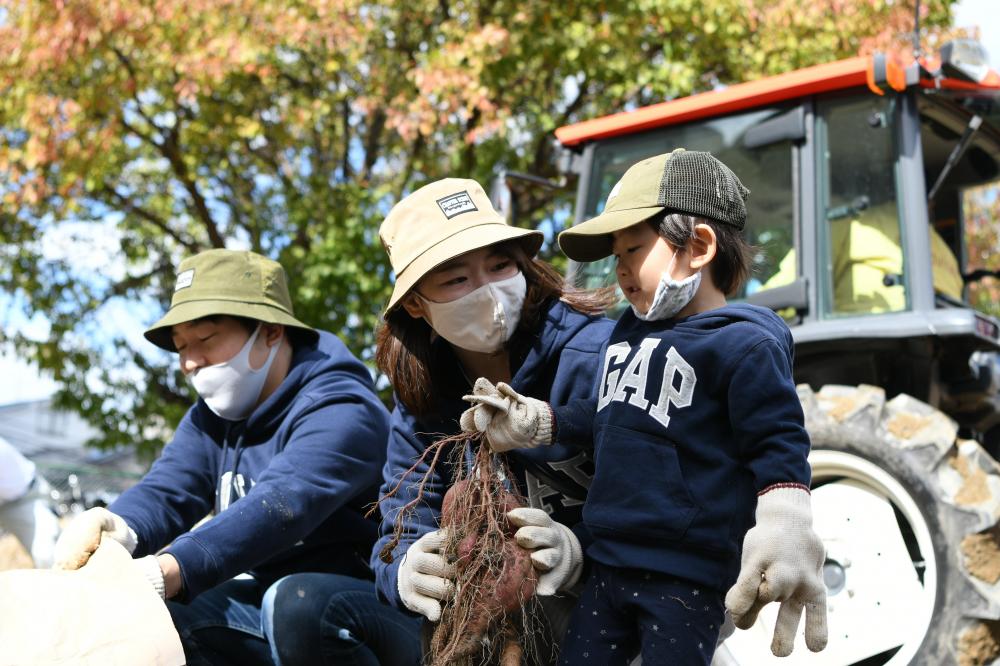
[(55, 440)]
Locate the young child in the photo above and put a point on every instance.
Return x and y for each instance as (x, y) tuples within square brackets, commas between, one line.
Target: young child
[(697, 425)]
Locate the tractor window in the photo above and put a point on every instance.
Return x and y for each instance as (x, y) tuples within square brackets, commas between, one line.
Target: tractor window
[(981, 215), (861, 243), (765, 170), (966, 204)]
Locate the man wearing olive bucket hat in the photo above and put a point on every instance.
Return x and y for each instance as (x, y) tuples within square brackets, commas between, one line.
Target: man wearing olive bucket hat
[(284, 448)]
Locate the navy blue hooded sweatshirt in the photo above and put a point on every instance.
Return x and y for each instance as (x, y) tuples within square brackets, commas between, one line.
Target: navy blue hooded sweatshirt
[(289, 485), (694, 417), (558, 362)]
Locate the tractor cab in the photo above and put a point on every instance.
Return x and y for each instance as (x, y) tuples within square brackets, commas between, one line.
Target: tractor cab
[(857, 171)]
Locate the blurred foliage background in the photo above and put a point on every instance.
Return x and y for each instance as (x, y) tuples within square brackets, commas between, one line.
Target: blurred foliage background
[(146, 130), (981, 210)]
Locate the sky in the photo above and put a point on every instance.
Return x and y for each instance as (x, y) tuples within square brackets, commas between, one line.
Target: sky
[(22, 381), (985, 14)]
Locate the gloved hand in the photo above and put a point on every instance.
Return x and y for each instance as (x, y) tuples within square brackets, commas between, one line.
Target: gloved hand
[(509, 420), (487, 401), (556, 552), (425, 578), (150, 568), (782, 561), (83, 535)]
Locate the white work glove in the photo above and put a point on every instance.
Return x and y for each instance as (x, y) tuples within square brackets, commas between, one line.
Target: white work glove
[(556, 551), (83, 535), (425, 578), (149, 566), (509, 420), (783, 562)]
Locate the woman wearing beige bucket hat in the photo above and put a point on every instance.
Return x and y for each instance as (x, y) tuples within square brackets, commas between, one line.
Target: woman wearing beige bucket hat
[(284, 449), (470, 301)]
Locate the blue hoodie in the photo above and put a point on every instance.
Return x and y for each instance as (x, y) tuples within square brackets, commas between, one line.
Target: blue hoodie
[(558, 362), (289, 486), (695, 416)]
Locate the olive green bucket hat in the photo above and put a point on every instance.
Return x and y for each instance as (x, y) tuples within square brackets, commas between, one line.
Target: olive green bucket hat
[(228, 282), (439, 222), (683, 181)]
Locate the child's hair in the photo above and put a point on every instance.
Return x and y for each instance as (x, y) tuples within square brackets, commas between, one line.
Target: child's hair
[(403, 343), (732, 264)]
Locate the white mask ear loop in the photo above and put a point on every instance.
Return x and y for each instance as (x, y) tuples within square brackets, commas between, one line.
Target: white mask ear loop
[(669, 273), (671, 295), (231, 388)]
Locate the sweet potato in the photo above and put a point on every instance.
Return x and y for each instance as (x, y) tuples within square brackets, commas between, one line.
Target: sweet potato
[(495, 575), (493, 613)]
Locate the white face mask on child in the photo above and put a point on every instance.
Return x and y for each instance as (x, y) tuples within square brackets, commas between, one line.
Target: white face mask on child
[(231, 388), (482, 320), (671, 295)]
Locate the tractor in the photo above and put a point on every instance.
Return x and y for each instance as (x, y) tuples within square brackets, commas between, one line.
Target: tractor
[(857, 170)]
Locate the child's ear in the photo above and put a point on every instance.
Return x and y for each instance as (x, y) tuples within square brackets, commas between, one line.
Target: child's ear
[(702, 246)]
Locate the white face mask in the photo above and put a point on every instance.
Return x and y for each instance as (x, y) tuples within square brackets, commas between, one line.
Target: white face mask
[(231, 389), (671, 295), (482, 320)]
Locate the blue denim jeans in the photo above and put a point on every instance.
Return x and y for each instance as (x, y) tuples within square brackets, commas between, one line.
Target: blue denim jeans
[(309, 618), (223, 625), (321, 618)]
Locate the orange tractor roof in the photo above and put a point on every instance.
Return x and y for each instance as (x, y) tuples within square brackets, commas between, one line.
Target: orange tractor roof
[(829, 77)]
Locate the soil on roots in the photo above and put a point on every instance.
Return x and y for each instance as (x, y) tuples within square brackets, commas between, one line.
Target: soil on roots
[(493, 616)]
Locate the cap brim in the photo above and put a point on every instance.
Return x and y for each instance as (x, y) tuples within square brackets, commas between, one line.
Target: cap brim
[(159, 333), (591, 240), (464, 241)]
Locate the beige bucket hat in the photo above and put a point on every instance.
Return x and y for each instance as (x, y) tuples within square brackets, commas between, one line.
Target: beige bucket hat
[(681, 181), (228, 282), (439, 222)]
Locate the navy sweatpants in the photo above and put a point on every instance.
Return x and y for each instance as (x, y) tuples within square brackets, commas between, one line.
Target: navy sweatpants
[(624, 611)]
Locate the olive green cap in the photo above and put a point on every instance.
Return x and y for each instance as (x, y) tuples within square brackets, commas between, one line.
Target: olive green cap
[(682, 181), (227, 282), (439, 222)]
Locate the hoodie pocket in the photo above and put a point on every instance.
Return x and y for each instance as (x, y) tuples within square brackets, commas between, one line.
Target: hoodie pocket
[(638, 489)]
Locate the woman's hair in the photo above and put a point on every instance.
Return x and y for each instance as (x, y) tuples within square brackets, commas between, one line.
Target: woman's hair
[(732, 264), (403, 343)]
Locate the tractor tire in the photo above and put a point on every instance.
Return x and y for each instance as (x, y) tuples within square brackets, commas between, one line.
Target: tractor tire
[(909, 517)]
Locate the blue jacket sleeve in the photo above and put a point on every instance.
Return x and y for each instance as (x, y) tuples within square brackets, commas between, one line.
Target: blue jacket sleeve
[(334, 451), (575, 416), (575, 422), (406, 445), (177, 491), (767, 417)]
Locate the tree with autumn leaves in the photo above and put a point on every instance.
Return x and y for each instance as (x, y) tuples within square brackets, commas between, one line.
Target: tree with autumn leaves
[(292, 127)]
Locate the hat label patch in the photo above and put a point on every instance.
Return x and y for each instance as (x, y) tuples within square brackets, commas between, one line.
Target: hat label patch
[(456, 204), (184, 279)]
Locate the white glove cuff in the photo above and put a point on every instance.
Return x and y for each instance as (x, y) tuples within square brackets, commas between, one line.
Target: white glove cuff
[(149, 566), (545, 430), (783, 499)]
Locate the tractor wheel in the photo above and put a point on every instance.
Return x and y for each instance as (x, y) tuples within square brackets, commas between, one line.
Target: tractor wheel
[(909, 517)]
